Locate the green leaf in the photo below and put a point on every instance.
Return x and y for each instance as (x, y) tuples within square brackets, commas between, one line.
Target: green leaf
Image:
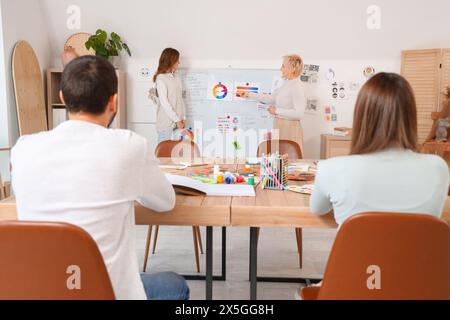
[(115, 44), (115, 37), (127, 49), (101, 35)]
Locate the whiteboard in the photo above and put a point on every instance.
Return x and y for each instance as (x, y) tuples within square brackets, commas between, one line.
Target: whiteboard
[(232, 118)]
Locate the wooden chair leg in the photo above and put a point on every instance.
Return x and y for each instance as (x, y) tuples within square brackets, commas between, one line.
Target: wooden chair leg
[(147, 246), (155, 239), (299, 235), (197, 259), (199, 239)]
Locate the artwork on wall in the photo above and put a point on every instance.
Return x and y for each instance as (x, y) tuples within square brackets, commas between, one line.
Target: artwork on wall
[(338, 91), (369, 71), (312, 106), (310, 73), (330, 113), (330, 74)]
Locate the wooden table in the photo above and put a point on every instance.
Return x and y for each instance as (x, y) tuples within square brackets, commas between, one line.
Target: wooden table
[(268, 209)]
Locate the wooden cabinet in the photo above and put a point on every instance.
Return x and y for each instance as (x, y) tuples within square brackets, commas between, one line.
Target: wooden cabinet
[(428, 72), (56, 110), (334, 146)]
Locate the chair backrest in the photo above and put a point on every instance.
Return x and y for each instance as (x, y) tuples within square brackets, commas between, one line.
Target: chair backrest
[(291, 148), (177, 148), (2, 189), (389, 256), (57, 261)]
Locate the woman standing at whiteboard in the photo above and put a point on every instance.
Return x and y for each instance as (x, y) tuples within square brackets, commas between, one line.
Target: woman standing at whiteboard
[(171, 113), (287, 104)]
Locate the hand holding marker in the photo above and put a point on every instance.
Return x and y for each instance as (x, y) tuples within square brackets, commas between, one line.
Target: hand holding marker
[(242, 94)]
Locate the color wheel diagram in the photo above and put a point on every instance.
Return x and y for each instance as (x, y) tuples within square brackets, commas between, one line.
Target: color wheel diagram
[(220, 91)]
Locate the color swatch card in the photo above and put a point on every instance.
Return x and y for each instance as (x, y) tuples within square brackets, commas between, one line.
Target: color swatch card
[(245, 87), (220, 91)]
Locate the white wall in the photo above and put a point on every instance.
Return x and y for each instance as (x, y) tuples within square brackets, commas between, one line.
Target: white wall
[(21, 20), (253, 34), (261, 29)]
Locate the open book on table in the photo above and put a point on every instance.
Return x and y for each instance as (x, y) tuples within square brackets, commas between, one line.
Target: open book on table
[(189, 186)]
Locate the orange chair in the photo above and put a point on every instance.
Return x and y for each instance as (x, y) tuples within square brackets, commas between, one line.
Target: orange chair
[(168, 149), (293, 150), (388, 256), (38, 260)]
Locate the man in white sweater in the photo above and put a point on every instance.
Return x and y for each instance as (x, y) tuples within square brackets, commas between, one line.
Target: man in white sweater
[(88, 175)]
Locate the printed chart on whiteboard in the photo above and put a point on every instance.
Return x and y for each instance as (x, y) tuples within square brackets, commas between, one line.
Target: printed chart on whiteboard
[(213, 97)]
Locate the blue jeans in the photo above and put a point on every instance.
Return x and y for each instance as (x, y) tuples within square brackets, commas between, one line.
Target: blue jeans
[(165, 286), (169, 135), (165, 135)]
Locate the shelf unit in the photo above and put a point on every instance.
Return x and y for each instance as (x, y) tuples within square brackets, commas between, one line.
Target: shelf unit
[(334, 146), (54, 103)]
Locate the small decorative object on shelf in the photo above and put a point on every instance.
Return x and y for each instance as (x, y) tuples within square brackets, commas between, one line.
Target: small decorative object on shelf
[(443, 123), (442, 129), (437, 141), (274, 171)]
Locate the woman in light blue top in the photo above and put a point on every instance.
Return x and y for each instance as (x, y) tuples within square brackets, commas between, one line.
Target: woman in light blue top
[(384, 172)]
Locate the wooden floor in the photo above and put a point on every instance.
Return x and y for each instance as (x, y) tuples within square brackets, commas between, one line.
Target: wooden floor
[(277, 257)]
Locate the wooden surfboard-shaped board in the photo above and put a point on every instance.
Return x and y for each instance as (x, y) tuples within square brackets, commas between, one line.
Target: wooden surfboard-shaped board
[(28, 89)]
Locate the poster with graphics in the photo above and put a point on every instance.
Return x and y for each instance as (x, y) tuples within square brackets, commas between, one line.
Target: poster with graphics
[(220, 91), (246, 87)]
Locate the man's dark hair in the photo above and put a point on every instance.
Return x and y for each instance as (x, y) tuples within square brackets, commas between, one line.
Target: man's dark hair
[(87, 84)]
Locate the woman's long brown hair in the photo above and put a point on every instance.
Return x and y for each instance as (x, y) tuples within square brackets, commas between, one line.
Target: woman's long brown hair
[(385, 115), (168, 58)]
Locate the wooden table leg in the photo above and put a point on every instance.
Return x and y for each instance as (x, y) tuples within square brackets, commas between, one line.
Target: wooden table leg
[(253, 262), (209, 263)]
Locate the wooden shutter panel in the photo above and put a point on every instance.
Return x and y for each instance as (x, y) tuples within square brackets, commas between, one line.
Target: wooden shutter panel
[(422, 69), (445, 74)]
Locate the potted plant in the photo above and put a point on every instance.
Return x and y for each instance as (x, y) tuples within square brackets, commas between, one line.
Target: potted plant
[(107, 47)]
